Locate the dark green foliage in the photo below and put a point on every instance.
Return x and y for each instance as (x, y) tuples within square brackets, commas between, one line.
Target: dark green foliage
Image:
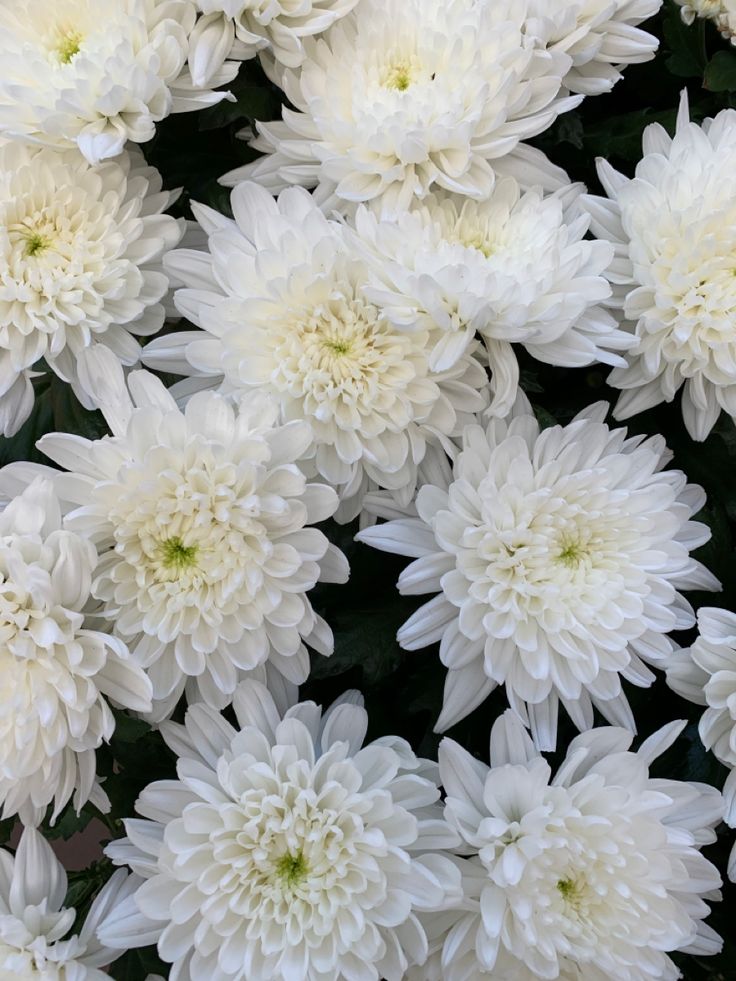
[(404, 691)]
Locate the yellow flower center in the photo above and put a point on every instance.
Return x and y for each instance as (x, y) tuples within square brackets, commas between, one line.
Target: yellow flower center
[(68, 46), (399, 78)]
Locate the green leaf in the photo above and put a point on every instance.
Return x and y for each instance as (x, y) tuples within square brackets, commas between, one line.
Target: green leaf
[(620, 136), (135, 965), (68, 823), (720, 73), (687, 50), (128, 729)]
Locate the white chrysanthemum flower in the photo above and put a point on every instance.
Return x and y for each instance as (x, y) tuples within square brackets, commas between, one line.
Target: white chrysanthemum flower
[(601, 37), (34, 922), (403, 96), (244, 28), (594, 872), (285, 850), (557, 557), (514, 268), (58, 676), (80, 270), (280, 294), (97, 73), (721, 12), (674, 230), (200, 521), (706, 674)]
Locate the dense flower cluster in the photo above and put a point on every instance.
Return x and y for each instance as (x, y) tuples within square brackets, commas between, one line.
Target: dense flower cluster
[(513, 268), (280, 296), (363, 320)]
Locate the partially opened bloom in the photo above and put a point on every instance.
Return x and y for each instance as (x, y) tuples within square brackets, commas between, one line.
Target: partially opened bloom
[(281, 297), (594, 872), (244, 28), (404, 96), (36, 943), (96, 73), (514, 268), (721, 12), (58, 676), (674, 230), (200, 519), (601, 37), (285, 850), (706, 674), (80, 270), (556, 557)]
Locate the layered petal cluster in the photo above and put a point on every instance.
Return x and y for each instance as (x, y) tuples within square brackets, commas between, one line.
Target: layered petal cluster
[(35, 938), (200, 518), (58, 677), (404, 96), (244, 28), (706, 674), (285, 850), (80, 270), (674, 230), (601, 37), (593, 873), (721, 12), (280, 294), (97, 73), (514, 267), (556, 557)]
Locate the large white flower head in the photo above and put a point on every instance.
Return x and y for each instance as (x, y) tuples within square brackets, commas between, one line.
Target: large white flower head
[(35, 940), (285, 850), (674, 229), (58, 676), (706, 674), (403, 96), (280, 294), (200, 520), (721, 12), (514, 267), (594, 872), (244, 28), (600, 36), (96, 73), (80, 270), (557, 557)]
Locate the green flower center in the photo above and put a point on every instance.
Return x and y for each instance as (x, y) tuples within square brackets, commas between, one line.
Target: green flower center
[(36, 244), (177, 555), (292, 868), (68, 46), (338, 347)]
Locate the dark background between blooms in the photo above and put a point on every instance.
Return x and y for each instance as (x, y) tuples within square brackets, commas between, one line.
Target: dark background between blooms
[(404, 690)]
